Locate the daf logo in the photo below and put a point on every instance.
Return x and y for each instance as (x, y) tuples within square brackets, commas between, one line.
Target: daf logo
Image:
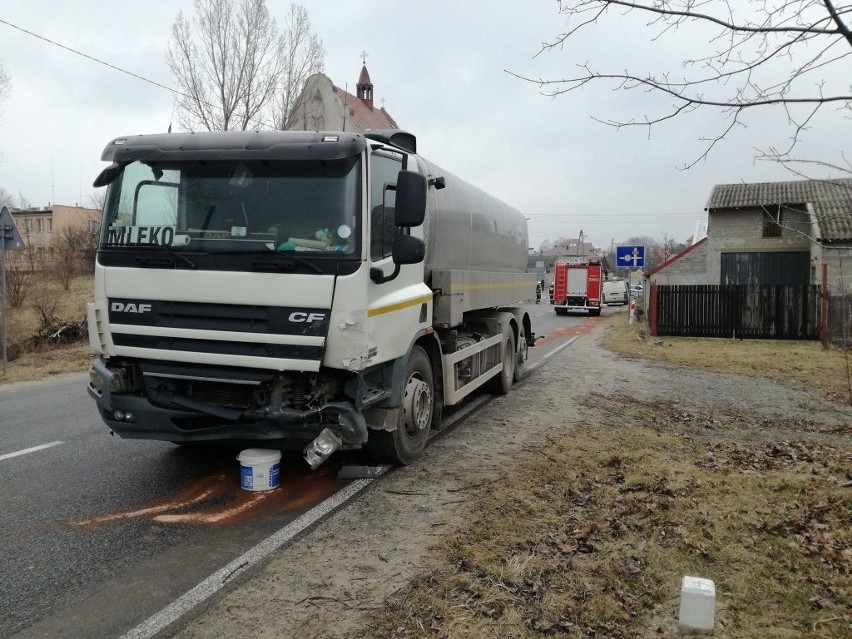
[(306, 317), (121, 307)]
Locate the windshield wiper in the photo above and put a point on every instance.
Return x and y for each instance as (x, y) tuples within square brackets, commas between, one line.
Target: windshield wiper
[(171, 251), (285, 262)]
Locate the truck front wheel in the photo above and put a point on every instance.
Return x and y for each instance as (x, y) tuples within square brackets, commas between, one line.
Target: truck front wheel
[(406, 443)]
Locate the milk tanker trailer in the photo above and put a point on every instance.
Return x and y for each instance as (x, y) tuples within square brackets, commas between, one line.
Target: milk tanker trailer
[(318, 290)]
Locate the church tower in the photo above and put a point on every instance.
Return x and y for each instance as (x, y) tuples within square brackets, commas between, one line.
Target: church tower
[(364, 88)]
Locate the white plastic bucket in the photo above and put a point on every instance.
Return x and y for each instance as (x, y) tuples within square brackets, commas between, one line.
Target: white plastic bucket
[(260, 468)]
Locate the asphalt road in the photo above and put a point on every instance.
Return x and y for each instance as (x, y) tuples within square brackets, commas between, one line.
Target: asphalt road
[(97, 533)]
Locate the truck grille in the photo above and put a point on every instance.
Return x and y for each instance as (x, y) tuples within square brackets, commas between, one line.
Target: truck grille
[(225, 318)]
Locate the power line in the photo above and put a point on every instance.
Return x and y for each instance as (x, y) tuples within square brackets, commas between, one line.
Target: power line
[(93, 59), (107, 64)]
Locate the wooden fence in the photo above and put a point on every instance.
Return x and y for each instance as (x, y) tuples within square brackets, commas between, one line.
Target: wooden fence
[(755, 312), (839, 321)]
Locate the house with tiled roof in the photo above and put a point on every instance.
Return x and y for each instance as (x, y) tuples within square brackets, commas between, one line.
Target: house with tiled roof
[(771, 233), (322, 106)]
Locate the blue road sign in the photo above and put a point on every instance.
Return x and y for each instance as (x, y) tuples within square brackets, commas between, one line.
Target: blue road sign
[(630, 255)]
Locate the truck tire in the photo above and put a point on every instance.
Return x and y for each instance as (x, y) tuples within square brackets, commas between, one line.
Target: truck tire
[(502, 382), (405, 444), (522, 353), (595, 312), (562, 311)]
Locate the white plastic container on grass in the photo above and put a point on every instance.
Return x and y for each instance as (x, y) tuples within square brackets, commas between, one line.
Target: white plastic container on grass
[(260, 468), (697, 605)]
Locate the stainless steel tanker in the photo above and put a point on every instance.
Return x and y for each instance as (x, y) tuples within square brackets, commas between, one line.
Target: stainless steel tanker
[(468, 229), (319, 290)]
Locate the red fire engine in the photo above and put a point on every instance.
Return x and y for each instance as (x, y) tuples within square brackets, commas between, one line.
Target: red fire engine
[(577, 287)]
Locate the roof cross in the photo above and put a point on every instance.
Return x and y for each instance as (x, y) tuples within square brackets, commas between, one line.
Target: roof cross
[(364, 58)]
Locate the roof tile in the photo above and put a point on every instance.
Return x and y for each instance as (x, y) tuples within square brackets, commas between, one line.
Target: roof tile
[(831, 200)]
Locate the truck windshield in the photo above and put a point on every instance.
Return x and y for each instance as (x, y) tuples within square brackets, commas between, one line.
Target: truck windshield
[(310, 207)]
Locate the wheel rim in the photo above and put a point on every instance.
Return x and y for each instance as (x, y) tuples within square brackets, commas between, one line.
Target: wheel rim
[(509, 361), (416, 405), (523, 349)]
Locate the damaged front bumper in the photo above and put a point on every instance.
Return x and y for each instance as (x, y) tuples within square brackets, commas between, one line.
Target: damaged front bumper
[(172, 417)]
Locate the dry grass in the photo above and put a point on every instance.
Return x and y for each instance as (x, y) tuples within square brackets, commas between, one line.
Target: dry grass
[(31, 363), (590, 536), (802, 363)]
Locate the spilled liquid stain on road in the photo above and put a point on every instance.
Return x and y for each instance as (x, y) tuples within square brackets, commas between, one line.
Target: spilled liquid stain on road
[(564, 332), (219, 499)]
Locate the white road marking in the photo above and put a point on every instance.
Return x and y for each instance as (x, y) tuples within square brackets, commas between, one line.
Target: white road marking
[(551, 353), (29, 450), (215, 582)]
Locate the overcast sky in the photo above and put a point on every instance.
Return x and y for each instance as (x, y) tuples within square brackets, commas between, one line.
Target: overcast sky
[(441, 68)]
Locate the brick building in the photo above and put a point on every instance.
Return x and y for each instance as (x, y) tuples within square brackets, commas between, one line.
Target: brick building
[(40, 228)]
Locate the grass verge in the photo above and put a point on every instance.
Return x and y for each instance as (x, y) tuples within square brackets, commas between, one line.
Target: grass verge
[(798, 362), (590, 536), (47, 297)]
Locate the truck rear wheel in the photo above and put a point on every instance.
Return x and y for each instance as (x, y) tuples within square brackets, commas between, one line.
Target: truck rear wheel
[(406, 443), (501, 384), (522, 353)]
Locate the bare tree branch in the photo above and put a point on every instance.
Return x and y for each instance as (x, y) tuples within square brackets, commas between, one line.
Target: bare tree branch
[(766, 53), (303, 56), (232, 65), (5, 85)]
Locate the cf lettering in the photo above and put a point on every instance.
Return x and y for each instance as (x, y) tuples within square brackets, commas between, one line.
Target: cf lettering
[(299, 316)]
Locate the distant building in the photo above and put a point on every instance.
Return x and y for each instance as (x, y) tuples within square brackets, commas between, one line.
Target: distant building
[(39, 228), (567, 250), (322, 106), (574, 248)]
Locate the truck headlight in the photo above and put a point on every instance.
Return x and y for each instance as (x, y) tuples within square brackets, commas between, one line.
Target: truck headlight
[(120, 380)]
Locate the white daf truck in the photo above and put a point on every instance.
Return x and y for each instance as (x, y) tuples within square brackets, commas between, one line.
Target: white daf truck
[(318, 290)]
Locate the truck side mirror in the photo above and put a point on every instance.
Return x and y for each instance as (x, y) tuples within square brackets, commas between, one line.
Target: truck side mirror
[(108, 174), (410, 199), (408, 249)]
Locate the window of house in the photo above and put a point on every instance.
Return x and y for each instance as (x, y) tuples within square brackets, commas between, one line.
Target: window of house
[(384, 168), (772, 221), (50, 225), (40, 225)]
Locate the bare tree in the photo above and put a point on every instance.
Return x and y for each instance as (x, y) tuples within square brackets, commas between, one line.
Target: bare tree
[(667, 246), (229, 61), (66, 254), (5, 85), (304, 55), (7, 199), (790, 54), (97, 200), (18, 283)]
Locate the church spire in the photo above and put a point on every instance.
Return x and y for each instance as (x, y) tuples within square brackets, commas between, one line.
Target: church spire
[(364, 88)]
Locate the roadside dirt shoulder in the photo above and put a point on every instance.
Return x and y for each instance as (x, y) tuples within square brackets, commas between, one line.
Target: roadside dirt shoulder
[(325, 583)]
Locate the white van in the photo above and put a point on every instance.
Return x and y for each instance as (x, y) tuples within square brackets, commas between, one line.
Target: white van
[(615, 292)]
